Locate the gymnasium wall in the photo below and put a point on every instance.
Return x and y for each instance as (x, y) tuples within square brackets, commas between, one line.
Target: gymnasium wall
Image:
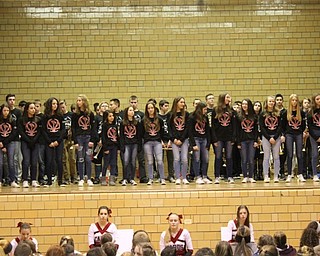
[(158, 48)]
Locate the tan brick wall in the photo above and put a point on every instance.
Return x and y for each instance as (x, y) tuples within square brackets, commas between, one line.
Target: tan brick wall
[(158, 49), (54, 215)]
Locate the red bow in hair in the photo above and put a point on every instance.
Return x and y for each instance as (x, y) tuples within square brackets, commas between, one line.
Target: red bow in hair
[(109, 212), (20, 224), (179, 215)]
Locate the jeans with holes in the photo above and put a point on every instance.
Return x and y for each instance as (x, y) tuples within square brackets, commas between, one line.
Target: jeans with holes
[(314, 155), (298, 140), (153, 150), (267, 148), (200, 157), (180, 159), (30, 159), (247, 158), (10, 158), (130, 154), (84, 155), (227, 145)]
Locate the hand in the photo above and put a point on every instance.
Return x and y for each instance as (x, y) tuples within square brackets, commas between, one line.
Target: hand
[(283, 139), (177, 142), (100, 143), (272, 141), (195, 148), (90, 144), (1, 145), (255, 144), (107, 152), (4, 150), (76, 146), (239, 146), (55, 143)]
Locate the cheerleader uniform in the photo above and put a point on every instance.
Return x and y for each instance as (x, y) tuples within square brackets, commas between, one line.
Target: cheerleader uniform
[(95, 233), (232, 230), (182, 242), (17, 240)]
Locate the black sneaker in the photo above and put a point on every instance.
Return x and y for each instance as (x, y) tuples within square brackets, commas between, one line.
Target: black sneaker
[(96, 181), (144, 180)]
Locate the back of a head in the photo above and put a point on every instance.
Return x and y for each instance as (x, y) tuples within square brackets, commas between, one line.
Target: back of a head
[(109, 248), (96, 251), (68, 249), (223, 248), (22, 249), (6, 246), (140, 236), (55, 250), (268, 250), (306, 251), (31, 244), (106, 237), (280, 239), (309, 238), (243, 238), (205, 251), (265, 240), (168, 251), (148, 250)]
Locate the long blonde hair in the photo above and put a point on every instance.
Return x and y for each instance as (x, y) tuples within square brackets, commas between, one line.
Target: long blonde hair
[(86, 105), (275, 110), (290, 108)]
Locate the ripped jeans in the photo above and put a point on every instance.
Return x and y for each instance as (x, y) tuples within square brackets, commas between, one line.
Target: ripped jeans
[(84, 154)]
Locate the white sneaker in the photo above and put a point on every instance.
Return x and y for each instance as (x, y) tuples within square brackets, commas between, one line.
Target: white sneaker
[(300, 178), (230, 180), (252, 180), (199, 181), (315, 178), (0, 184), (288, 180), (178, 181), (276, 179), (217, 180), (245, 180), (80, 184), (124, 183), (150, 182), (207, 181), (14, 185), (163, 182), (90, 183), (35, 184), (25, 184), (133, 183), (185, 182)]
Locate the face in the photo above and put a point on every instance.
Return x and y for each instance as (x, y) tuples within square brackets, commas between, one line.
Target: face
[(79, 102), (317, 100), (204, 110), (103, 107), (137, 251), (210, 100), (31, 110), (306, 104), (134, 103), (227, 99), (112, 106), (5, 112), (25, 234), (37, 107), (270, 102), (54, 105), (130, 112), (236, 107), (63, 107), (243, 214), (244, 105), (279, 102), (165, 108), (181, 104), (110, 118), (150, 109), (294, 102), (103, 215), (195, 103), (11, 101), (257, 107), (174, 221)]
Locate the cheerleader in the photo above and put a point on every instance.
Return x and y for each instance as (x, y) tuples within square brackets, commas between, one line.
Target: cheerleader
[(247, 139), (153, 132), (223, 134), (293, 126), (176, 237), (110, 146), (130, 144), (8, 133), (199, 136), (83, 132), (270, 125), (103, 226), (179, 138), (24, 234), (314, 131), (29, 129), (54, 133)]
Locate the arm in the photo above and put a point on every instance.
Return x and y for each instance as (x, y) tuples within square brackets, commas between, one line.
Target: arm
[(162, 242), (251, 233), (91, 235), (188, 242)]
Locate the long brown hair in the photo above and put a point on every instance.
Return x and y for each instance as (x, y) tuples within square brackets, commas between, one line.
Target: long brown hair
[(86, 105), (221, 105), (275, 111), (147, 121), (174, 108)]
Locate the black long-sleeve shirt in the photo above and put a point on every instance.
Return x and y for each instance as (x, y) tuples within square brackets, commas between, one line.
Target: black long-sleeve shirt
[(224, 127), (53, 128), (314, 124), (198, 130), (270, 125), (8, 131), (247, 129), (83, 124), (30, 129), (294, 126), (130, 134), (179, 127), (109, 135), (152, 134)]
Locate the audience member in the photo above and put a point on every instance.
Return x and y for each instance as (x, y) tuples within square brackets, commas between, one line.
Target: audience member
[(283, 248), (223, 248), (268, 250)]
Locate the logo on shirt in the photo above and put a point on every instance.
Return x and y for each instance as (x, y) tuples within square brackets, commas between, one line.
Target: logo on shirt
[(271, 123), (112, 134), (225, 119), (294, 123), (179, 123), (84, 122), (53, 125), (200, 127), (31, 128), (247, 125), (5, 129), (130, 131), (316, 120)]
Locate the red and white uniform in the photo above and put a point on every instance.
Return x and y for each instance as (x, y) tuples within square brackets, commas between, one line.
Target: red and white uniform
[(232, 229), (182, 242), (95, 233), (16, 241)]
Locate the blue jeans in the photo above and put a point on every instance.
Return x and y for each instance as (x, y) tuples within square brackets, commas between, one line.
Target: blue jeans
[(267, 147), (200, 155), (180, 159), (84, 154), (110, 159), (17, 158), (227, 145), (154, 149), (247, 158), (41, 161), (290, 139), (10, 157), (54, 155), (30, 158), (314, 155), (130, 154)]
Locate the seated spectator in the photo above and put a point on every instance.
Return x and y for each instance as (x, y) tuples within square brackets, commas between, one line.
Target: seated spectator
[(107, 237), (306, 251), (223, 248), (96, 251), (168, 251), (264, 240), (205, 251), (5, 245), (55, 250), (109, 248), (139, 237), (283, 248), (309, 238), (67, 243), (144, 249), (242, 245), (268, 250), (23, 249)]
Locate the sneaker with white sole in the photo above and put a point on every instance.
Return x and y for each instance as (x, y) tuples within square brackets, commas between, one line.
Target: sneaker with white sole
[(185, 182), (124, 183), (230, 180), (133, 183), (14, 185), (245, 180), (276, 179), (178, 181), (288, 180), (172, 180), (80, 184), (199, 181), (252, 180), (150, 182), (163, 182), (25, 184), (207, 181), (35, 184), (90, 183), (266, 179), (300, 178), (315, 178), (217, 181)]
